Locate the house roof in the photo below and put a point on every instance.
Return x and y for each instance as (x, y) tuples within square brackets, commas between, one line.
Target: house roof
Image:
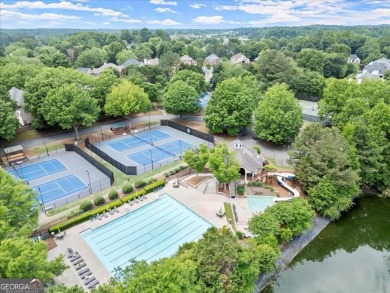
[(381, 65), (186, 58), (131, 61), (237, 57), (153, 61), (83, 69), (248, 158), (17, 95), (97, 71), (212, 57), (353, 57)]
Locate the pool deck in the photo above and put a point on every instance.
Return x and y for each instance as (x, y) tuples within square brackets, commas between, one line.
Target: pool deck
[(205, 205)]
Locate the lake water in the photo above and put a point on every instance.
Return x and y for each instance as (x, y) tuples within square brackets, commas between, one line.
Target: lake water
[(350, 255)]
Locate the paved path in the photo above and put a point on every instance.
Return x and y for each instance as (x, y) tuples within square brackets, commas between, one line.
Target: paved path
[(100, 127)]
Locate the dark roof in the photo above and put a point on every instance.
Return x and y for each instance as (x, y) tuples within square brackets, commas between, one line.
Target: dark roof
[(132, 61)]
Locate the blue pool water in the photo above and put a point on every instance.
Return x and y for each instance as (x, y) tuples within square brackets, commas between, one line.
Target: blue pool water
[(149, 233), (258, 203)]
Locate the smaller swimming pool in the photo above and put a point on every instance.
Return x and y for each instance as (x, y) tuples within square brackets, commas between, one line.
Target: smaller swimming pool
[(258, 203)]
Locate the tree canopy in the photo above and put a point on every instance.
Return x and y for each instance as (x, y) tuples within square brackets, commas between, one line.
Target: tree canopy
[(126, 99), (323, 152), (197, 159), (278, 117), (69, 106), (223, 164), (181, 98), (230, 106)]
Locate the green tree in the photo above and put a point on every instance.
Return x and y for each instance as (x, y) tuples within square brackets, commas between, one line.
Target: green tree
[(230, 106), (311, 59), (113, 49), (92, 58), (63, 289), (223, 164), (23, 258), (70, 106), (169, 63), (60, 59), (335, 66), (18, 217), (278, 116), (8, 120), (38, 87), (275, 67), (339, 49), (126, 99), (177, 274), (320, 152), (197, 159), (194, 79), (308, 84), (102, 86), (123, 55), (283, 220), (327, 200), (181, 98)]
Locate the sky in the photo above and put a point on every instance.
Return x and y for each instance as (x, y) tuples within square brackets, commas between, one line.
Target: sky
[(187, 14)]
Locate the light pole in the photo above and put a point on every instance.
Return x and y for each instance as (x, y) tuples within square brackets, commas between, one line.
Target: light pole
[(89, 180), (151, 158), (44, 142), (16, 171), (42, 205)]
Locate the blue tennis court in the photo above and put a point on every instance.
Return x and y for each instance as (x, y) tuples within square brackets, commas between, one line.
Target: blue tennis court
[(137, 140), (58, 188), (38, 170), (159, 153)]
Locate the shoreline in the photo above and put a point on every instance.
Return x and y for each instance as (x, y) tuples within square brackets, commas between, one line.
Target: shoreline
[(290, 251)]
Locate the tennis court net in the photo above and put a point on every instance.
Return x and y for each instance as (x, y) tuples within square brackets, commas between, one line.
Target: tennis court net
[(144, 140), (165, 151)]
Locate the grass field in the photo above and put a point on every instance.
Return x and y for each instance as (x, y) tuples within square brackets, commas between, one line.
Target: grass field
[(230, 215)]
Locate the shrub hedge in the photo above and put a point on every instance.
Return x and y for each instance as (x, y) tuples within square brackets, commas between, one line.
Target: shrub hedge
[(87, 215), (86, 206), (139, 184), (127, 189), (99, 201), (113, 194)]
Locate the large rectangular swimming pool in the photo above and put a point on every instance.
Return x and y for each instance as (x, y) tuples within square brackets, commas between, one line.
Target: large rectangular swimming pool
[(149, 233)]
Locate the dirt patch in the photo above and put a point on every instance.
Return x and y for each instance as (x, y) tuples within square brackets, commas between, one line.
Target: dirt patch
[(196, 180), (277, 189), (50, 243)]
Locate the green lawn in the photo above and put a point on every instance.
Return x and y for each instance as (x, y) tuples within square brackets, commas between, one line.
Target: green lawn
[(230, 215), (53, 147)]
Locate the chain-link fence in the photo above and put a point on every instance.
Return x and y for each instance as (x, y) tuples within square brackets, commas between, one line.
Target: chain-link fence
[(93, 187)]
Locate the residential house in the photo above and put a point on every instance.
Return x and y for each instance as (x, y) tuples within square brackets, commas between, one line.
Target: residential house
[(85, 70), (212, 60), (353, 59), (187, 60), (151, 62), (132, 61), (97, 71), (239, 58), (23, 117), (251, 163), (374, 70)]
